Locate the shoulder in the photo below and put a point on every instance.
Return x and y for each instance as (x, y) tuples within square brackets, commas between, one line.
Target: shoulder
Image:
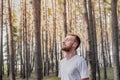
[(63, 60), (78, 57)]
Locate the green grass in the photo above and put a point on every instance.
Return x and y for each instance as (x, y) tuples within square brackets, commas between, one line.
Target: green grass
[(109, 74), (52, 77)]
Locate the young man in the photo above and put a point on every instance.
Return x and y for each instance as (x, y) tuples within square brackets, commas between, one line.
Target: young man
[(72, 67)]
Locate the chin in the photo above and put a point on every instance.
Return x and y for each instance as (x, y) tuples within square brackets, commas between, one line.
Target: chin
[(66, 49)]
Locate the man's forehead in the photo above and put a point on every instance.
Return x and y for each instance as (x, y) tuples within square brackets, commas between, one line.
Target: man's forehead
[(70, 37)]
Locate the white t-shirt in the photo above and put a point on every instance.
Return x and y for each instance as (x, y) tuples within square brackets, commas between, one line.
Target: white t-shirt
[(73, 69)]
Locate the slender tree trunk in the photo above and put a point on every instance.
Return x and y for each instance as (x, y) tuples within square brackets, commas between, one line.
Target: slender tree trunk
[(8, 65), (91, 36), (115, 48), (11, 45), (102, 46), (46, 42), (106, 32), (65, 18), (37, 25), (70, 15), (20, 50), (25, 39), (95, 46), (1, 41), (54, 35)]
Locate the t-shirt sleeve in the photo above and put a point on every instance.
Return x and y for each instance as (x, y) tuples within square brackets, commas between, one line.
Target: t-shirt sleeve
[(59, 72), (83, 69)]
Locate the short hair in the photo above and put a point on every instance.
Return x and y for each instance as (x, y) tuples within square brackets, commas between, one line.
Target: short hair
[(77, 39)]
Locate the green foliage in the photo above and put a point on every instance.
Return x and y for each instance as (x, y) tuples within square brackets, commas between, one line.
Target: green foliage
[(118, 9), (5, 68), (109, 74), (107, 2), (15, 30), (15, 26), (49, 12), (14, 19), (51, 78), (80, 9), (30, 2), (60, 2)]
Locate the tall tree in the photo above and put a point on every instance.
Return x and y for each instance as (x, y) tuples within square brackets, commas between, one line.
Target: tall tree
[(102, 45), (11, 45), (115, 48), (8, 64), (106, 33), (65, 18), (46, 40), (91, 37), (54, 3), (25, 38), (37, 25), (1, 40)]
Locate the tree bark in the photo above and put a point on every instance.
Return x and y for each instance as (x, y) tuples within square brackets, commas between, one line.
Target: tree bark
[(91, 37), (102, 45), (1, 41), (115, 48), (37, 25), (11, 45), (65, 18)]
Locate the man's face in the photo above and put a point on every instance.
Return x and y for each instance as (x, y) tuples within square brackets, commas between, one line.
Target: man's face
[(67, 43)]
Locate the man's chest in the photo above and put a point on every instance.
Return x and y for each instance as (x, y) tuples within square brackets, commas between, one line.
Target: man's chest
[(69, 68)]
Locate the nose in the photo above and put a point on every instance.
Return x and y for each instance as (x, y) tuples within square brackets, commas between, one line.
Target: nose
[(63, 42)]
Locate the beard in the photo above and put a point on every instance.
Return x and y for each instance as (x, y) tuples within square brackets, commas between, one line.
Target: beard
[(66, 48)]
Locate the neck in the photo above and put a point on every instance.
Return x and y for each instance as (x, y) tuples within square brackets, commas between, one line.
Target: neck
[(70, 54)]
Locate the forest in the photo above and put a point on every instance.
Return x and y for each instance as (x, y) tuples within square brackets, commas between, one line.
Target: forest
[(31, 33)]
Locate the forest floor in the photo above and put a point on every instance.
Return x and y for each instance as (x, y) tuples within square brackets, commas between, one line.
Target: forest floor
[(52, 77)]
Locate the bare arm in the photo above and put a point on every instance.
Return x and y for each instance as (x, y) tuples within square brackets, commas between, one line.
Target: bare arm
[(85, 79)]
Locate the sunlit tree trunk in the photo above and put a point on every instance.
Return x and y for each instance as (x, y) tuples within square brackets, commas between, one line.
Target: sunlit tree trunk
[(106, 33), (8, 65), (65, 18), (21, 40), (46, 41), (70, 2), (11, 45), (54, 5), (25, 39), (102, 45)]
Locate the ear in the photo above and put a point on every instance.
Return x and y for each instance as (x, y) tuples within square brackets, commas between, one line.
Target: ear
[(75, 45)]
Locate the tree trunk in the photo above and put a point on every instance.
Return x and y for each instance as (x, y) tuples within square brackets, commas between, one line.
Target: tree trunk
[(95, 45), (91, 36), (11, 45), (65, 18), (102, 45), (106, 33), (8, 65), (1, 41), (115, 48), (25, 39), (46, 40), (37, 25), (54, 35)]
